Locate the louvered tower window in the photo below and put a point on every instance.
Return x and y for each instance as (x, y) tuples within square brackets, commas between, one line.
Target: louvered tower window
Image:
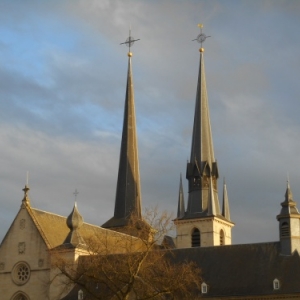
[(285, 230), (196, 238)]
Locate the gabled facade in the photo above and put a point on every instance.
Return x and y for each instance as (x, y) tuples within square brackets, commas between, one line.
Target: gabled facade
[(24, 259), (31, 245)]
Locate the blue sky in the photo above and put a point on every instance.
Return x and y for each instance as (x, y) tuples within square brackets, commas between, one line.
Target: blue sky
[(62, 90)]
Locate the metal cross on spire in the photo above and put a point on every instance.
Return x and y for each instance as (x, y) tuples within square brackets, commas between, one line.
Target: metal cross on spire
[(201, 37), (130, 40), (76, 194)]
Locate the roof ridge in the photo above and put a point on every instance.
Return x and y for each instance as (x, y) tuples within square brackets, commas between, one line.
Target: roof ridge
[(35, 221)]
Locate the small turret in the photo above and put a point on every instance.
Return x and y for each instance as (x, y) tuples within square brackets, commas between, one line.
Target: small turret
[(74, 222), (289, 224)]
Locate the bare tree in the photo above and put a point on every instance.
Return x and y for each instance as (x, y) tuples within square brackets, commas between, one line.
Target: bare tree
[(120, 266)]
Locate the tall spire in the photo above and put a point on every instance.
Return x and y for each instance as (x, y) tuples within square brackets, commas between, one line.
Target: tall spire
[(128, 194), (202, 169), (181, 205)]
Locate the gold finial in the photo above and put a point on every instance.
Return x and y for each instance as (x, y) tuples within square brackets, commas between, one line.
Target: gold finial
[(200, 25), (129, 54), (201, 50)]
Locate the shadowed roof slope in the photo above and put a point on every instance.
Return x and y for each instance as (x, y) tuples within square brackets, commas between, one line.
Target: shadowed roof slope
[(244, 270)]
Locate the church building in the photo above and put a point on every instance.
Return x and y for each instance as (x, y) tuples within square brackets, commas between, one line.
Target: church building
[(203, 227)]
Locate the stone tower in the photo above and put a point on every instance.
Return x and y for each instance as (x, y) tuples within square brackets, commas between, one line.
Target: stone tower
[(202, 224)]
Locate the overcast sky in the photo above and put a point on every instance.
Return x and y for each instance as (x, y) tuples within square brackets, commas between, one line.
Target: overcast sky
[(62, 91)]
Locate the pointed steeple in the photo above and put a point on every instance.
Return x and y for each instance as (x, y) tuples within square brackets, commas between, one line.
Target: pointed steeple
[(288, 205), (203, 209), (128, 194), (181, 205), (202, 167), (225, 209), (74, 222)]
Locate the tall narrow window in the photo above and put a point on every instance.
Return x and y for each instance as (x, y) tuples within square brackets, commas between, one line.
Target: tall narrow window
[(285, 230), (196, 238), (222, 238)]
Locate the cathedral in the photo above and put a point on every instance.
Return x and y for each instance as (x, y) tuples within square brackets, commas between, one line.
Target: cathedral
[(203, 227)]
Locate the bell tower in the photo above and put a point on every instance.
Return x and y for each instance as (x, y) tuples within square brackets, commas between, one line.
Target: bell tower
[(203, 224)]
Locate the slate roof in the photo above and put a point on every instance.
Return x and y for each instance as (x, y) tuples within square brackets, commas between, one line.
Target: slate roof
[(244, 270), (54, 229)]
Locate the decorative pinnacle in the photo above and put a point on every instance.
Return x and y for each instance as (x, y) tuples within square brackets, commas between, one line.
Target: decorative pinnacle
[(201, 37), (129, 42)]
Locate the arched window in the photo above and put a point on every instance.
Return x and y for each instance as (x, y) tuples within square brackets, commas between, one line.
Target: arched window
[(222, 238), (20, 296), (285, 230), (196, 241)]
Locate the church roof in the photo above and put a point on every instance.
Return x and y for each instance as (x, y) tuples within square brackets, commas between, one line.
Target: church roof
[(244, 270), (240, 271), (54, 229)]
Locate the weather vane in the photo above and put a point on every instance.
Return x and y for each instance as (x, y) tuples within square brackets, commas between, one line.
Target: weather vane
[(130, 40), (201, 37)]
